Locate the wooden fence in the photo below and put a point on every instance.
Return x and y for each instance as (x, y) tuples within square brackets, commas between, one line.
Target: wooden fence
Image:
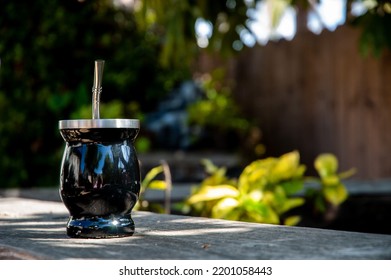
[(318, 94)]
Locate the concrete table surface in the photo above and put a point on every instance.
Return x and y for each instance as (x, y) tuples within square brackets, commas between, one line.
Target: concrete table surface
[(35, 229)]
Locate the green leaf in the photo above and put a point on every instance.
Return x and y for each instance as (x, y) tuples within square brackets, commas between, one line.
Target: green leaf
[(292, 220), (216, 179), (291, 203), (261, 213), (330, 180), (326, 165), (210, 168), (286, 167), (151, 175), (234, 215), (157, 185), (335, 194), (222, 208), (277, 197), (319, 202), (255, 180), (255, 195), (207, 193), (292, 187), (347, 174), (255, 175), (300, 171)]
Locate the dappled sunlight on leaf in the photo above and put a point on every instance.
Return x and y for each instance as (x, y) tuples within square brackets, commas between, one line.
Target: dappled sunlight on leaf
[(149, 177), (255, 195), (158, 185), (207, 193), (286, 167), (224, 207), (266, 190)]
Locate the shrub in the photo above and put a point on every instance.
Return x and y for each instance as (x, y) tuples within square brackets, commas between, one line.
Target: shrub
[(265, 191)]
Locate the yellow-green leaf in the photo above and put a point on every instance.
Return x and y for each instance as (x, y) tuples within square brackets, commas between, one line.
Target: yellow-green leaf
[(207, 193), (217, 178), (292, 220), (330, 180), (335, 194), (255, 195), (158, 185), (210, 168), (286, 167), (326, 165), (347, 174), (260, 212), (233, 215), (223, 207), (255, 180), (300, 171), (291, 203), (152, 174), (255, 174)]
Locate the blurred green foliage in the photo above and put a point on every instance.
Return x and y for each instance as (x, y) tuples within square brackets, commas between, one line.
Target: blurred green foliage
[(331, 189), (267, 190), (376, 28), (262, 193), (151, 181), (222, 120), (230, 20), (218, 108), (175, 25), (47, 50)]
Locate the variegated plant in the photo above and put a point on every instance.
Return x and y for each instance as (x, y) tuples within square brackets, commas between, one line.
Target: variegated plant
[(332, 191), (265, 191)]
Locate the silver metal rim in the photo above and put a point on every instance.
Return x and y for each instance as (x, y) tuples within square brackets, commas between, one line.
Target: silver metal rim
[(99, 123)]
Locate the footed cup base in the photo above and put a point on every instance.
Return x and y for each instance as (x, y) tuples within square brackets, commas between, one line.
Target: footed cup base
[(100, 227)]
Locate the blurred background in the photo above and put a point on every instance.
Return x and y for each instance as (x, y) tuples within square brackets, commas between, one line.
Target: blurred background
[(247, 79)]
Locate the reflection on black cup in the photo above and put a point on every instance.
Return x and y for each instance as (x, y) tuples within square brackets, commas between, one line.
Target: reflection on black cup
[(100, 176)]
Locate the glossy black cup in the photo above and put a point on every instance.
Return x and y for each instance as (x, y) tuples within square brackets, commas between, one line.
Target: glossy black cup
[(100, 176)]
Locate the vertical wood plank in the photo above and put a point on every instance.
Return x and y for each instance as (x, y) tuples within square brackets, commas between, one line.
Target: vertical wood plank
[(317, 94)]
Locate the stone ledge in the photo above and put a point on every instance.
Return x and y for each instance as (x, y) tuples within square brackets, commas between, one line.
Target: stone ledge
[(36, 229)]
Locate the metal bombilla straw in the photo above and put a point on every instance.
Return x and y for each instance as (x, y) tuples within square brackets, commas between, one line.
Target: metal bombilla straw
[(100, 175), (97, 87)]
